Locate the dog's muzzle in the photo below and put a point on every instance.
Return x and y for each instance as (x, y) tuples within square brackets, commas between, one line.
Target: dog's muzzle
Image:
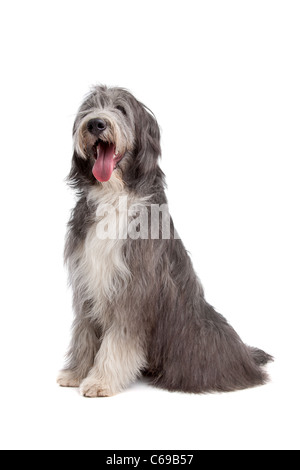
[(105, 153)]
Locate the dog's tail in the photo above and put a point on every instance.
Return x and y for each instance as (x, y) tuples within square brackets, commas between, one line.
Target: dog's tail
[(261, 358)]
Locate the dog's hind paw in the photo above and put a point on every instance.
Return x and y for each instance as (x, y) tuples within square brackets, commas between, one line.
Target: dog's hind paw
[(92, 388), (67, 378)]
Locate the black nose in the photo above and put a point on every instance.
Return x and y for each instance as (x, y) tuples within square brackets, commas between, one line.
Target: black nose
[(96, 126)]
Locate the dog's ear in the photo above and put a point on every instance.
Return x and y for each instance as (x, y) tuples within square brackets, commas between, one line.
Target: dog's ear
[(80, 173), (147, 146)]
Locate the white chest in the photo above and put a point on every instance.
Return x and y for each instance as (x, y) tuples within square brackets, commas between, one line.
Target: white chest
[(101, 270), (104, 270)]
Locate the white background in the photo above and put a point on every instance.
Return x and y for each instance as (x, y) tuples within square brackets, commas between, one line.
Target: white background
[(223, 79)]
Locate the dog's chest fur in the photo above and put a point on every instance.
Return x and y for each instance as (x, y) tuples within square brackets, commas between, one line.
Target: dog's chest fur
[(98, 268)]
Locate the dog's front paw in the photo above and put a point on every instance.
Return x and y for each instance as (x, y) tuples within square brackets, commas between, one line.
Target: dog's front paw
[(93, 388), (67, 378)]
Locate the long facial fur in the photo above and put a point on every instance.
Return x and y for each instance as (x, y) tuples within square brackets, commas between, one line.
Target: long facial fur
[(139, 306)]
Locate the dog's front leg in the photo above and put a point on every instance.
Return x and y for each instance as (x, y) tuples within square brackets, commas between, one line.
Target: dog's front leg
[(119, 361), (82, 351)]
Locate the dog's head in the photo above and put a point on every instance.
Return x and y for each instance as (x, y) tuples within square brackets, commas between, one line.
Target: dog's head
[(114, 131)]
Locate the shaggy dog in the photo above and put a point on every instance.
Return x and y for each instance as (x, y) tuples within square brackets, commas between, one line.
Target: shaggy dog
[(139, 306)]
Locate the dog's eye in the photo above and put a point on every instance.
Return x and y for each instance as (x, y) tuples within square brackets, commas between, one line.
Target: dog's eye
[(120, 108)]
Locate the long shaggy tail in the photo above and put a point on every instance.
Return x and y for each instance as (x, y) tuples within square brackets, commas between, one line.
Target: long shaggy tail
[(261, 358)]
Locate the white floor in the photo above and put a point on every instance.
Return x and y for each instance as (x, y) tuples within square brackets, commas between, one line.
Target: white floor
[(40, 415)]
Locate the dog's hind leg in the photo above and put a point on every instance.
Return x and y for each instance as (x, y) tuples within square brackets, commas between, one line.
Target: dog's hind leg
[(118, 363), (84, 346), (203, 353)]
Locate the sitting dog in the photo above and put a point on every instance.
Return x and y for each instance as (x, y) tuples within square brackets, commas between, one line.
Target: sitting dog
[(139, 306)]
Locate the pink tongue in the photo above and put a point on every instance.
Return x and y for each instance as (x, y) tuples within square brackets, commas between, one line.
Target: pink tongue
[(104, 165)]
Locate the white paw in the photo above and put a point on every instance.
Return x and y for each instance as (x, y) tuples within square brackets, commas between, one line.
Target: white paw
[(93, 388), (67, 378)]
